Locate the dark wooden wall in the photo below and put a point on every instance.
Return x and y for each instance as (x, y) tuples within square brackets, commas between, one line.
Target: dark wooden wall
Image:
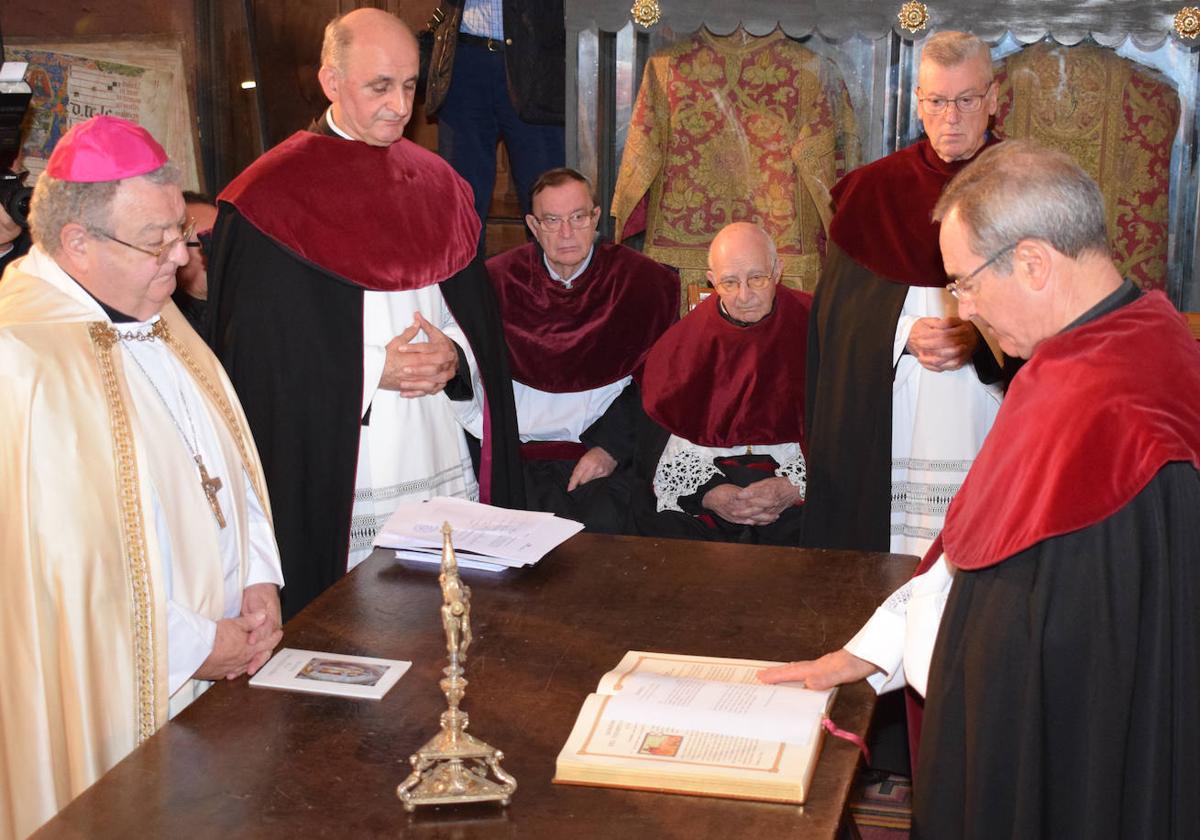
[(234, 125)]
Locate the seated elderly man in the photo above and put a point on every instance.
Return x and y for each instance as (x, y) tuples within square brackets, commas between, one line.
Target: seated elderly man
[(579, 318), (1053, 626), (724, 389), (136, 550)]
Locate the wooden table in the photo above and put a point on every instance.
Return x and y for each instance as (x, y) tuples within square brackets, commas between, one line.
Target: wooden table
[(243, 762)]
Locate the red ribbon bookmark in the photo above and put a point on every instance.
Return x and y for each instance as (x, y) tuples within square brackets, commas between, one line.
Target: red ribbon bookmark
[(832, 728)]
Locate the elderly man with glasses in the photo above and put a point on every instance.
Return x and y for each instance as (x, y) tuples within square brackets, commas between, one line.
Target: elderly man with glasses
[(898, 404), (723, 456), (579, 318), (136, 549), (1052, 627)]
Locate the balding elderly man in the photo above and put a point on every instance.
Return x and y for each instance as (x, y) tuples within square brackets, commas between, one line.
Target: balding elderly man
[(896, 406), (136, 550), (724, 389), (1060, 695), (360, 330)]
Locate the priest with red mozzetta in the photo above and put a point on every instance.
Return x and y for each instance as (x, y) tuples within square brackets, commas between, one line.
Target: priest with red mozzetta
[(724, 389), (897, 402), (1061, 692), (579, 317), (354, 320)]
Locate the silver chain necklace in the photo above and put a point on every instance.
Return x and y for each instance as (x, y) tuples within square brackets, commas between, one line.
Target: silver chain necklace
[(210, 485)]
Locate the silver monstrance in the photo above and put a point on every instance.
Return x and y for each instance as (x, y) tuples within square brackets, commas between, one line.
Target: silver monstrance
[(453, 766)]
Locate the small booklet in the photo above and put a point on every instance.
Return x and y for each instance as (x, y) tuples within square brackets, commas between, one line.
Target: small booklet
[(484, 537), (330, 673), (698, 725)]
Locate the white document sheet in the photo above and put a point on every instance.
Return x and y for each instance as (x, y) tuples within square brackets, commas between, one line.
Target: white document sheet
[(510, 537)]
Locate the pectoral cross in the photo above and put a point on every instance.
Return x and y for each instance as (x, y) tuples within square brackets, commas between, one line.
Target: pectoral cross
[(211, 486)]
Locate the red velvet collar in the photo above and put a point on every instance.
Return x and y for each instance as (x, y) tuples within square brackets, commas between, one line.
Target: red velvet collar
[(385, 218), (716, 384), (884, 211), (592, 334), (1086, 423)]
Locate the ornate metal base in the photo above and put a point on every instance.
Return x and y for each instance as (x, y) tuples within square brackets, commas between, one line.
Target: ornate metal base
[(453, 767)]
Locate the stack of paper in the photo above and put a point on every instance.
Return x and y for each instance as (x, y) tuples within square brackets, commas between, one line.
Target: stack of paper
[(484, 537)]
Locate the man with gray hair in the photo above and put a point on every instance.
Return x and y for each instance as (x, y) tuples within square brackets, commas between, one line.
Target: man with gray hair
[(1060, 697), (348, 305), (897, 406), (136, 546)]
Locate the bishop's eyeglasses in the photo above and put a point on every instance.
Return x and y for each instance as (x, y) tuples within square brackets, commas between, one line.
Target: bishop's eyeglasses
[(577, 220), (159, 252), (968, 103)]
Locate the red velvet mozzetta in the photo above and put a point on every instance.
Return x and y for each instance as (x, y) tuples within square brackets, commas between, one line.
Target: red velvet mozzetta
[(590, 335), (717, 384), (333, 216), (1078, 436), (884, 211)]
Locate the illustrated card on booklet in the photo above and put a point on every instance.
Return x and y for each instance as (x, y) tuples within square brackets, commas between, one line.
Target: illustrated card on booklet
[(330, 673)]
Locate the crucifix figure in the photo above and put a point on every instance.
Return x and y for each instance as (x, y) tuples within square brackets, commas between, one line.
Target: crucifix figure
[(211, 486)]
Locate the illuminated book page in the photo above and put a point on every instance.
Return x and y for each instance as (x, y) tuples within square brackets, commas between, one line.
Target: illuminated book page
[(142, 81), (677, 744)]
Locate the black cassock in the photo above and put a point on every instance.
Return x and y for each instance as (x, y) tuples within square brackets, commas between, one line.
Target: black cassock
[(1064, 691)]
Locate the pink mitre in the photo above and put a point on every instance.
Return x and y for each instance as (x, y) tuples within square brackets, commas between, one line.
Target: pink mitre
[(104, 148)]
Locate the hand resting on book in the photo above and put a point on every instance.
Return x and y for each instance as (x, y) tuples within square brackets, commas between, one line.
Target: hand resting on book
[(835, 668)]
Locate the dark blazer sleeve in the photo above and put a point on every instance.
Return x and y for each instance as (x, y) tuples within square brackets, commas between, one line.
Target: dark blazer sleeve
[(616, 429)]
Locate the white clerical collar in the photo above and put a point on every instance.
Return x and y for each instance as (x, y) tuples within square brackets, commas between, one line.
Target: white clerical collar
[(334, 126), (575, 275)]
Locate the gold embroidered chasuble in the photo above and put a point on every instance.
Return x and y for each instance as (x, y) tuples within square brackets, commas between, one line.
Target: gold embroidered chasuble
[(83, 645), (1118, 120), (736, 128)]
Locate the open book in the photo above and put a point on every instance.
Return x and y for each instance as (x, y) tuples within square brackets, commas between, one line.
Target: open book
[(698, 725)]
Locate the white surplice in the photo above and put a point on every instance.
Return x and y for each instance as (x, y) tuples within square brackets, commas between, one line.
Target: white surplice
[(939, 422), (684, 467), (413, 448), (898, 639)]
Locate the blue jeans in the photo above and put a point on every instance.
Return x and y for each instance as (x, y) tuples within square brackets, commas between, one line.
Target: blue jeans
[(476, 114)]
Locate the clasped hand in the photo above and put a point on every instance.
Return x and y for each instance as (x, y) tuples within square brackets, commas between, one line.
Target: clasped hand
[(941, 344), (417, 369), (244, 644), (760, 503)]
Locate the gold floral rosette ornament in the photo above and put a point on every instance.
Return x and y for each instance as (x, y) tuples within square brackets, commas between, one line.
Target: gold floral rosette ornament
[(913, 16), (646, 13), (1187, 22)]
